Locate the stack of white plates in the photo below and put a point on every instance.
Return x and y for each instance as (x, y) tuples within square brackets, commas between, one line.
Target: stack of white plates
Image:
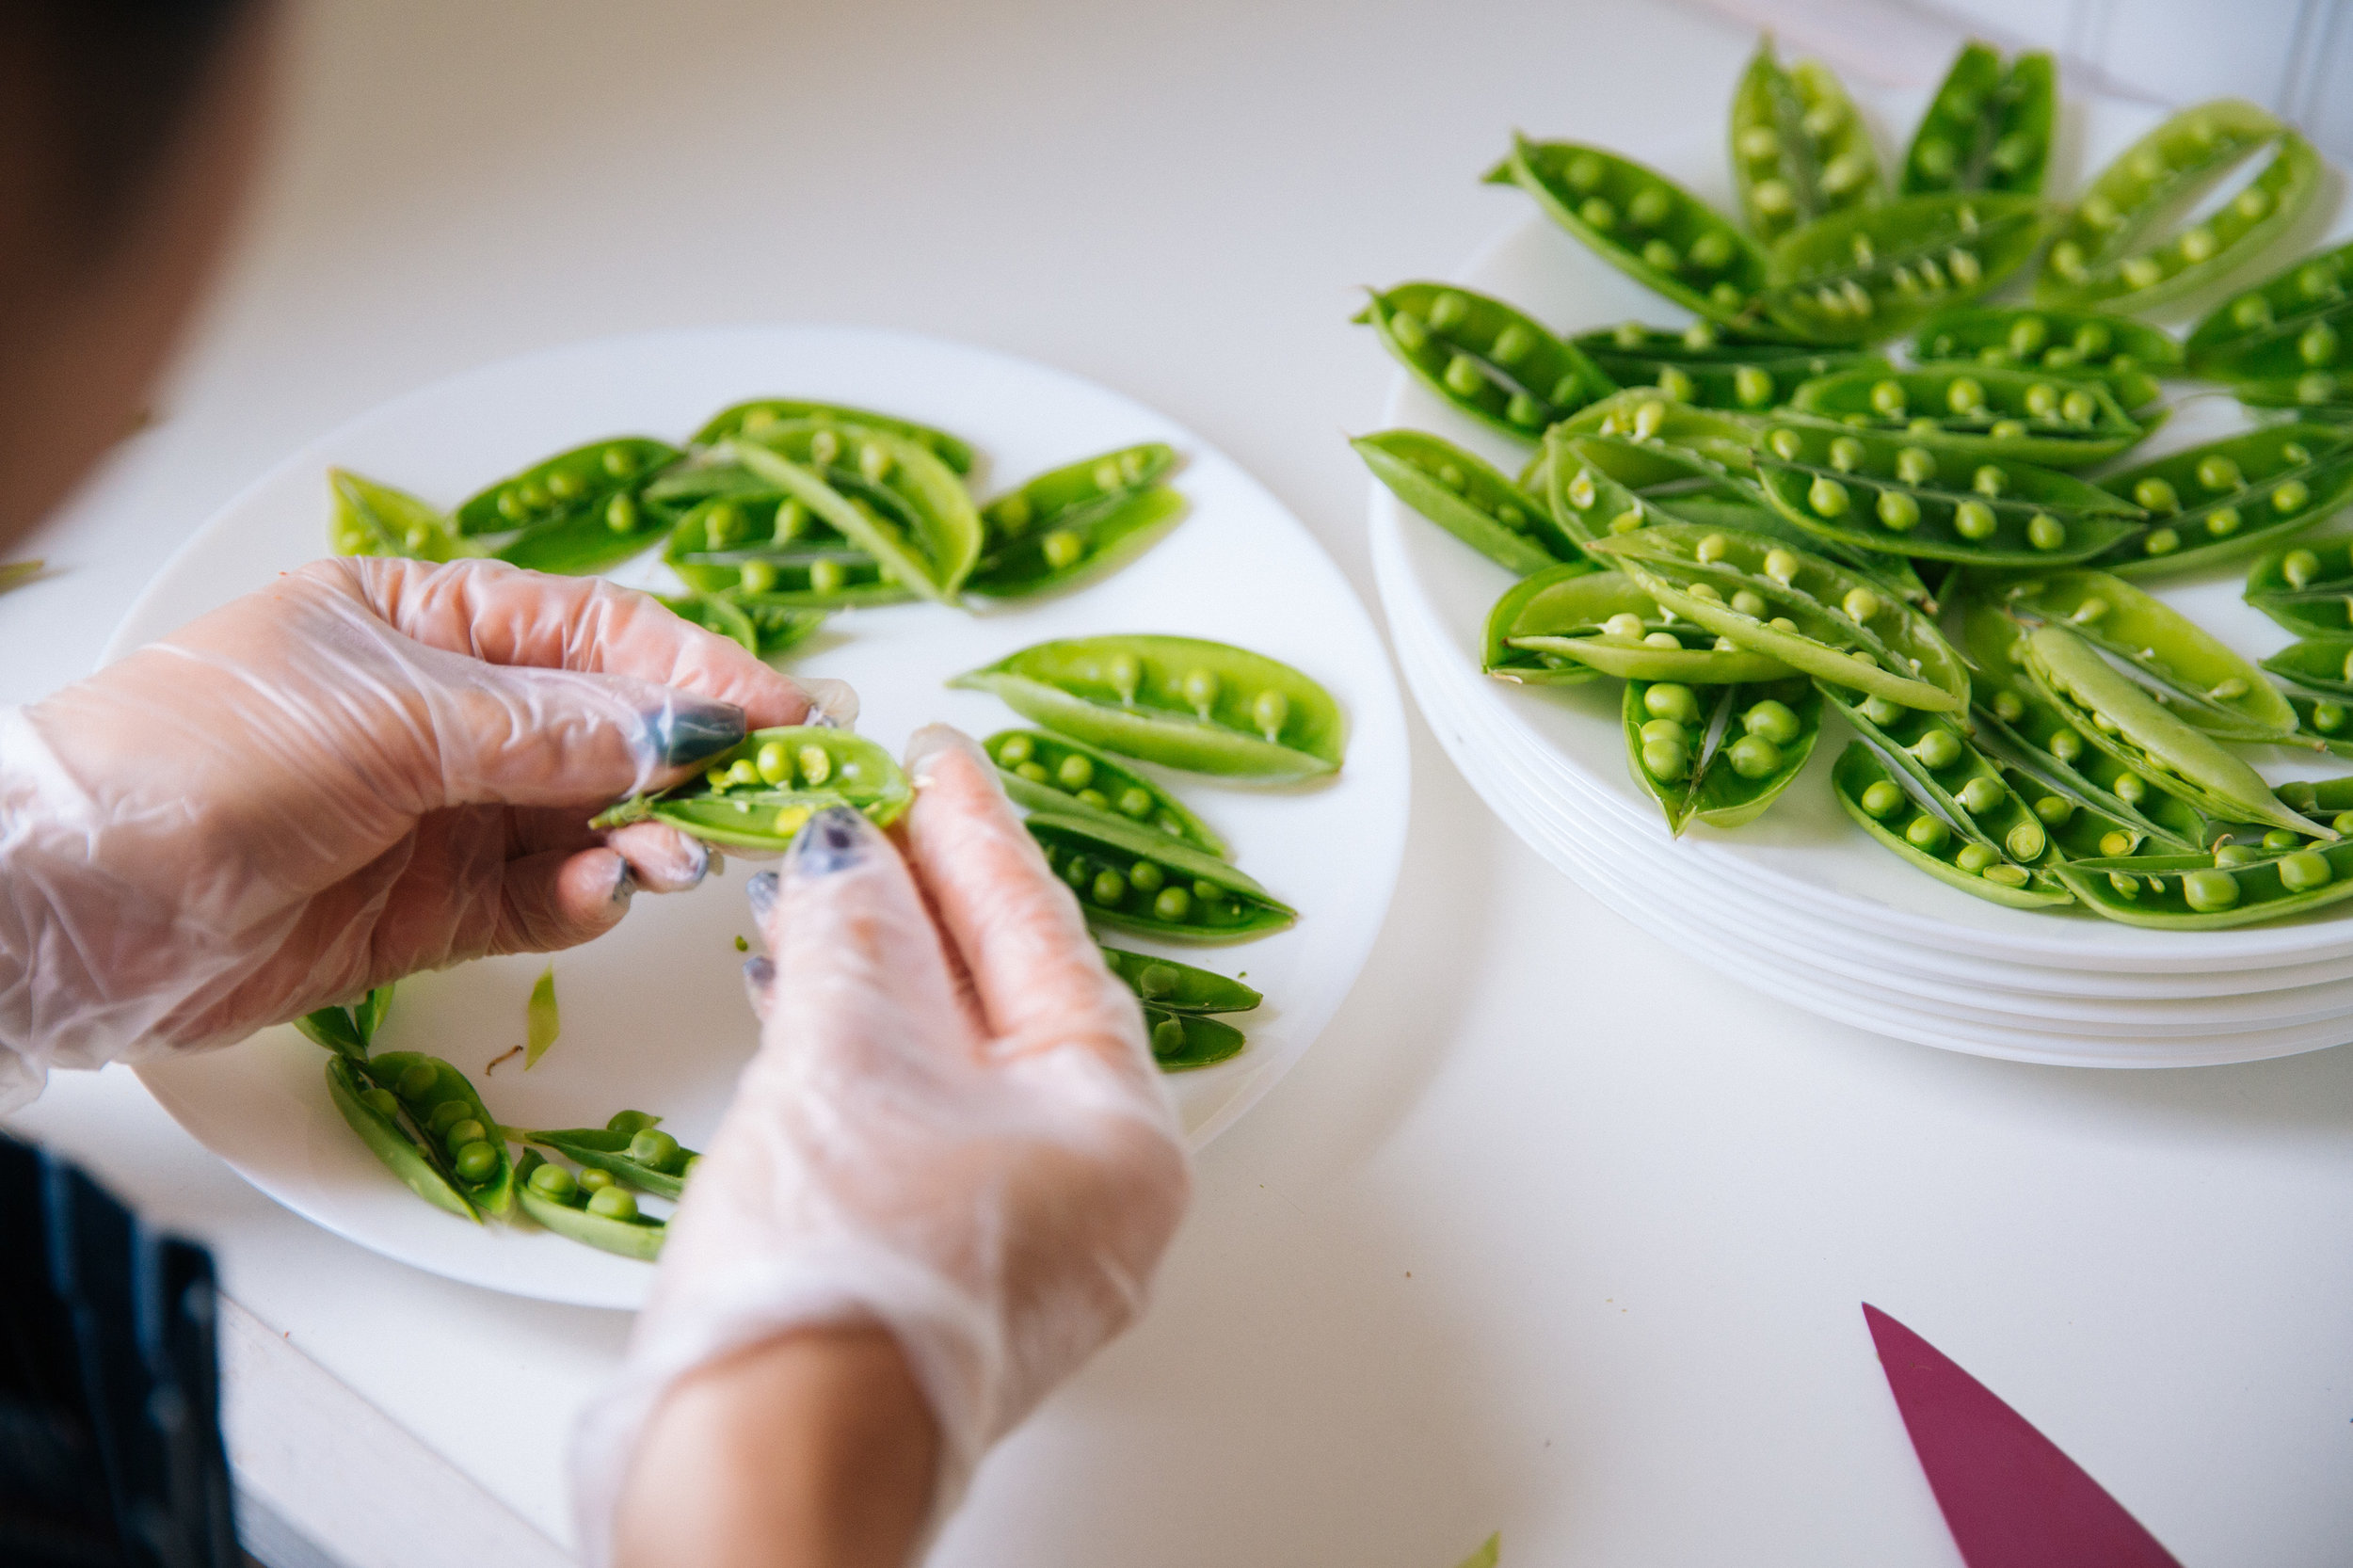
[(1800, 904)]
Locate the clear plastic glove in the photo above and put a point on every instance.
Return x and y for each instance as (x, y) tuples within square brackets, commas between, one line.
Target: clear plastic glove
[(954, 1127), (368, 768)]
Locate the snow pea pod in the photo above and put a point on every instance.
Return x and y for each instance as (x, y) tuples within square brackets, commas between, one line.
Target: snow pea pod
[(929, 542), (755, 417), (1463, 494), (452, 1125), (2231, 497), (1896, 494), (631, 1146), (2317, 664), (758, 792), (1044, 771), (1871, 273), (1182, 1042), (1642, 223), (2191, 893), (2126, 355), (2307, 588), (1980, 411), (1725, 437), (2324, 722), (2201, 679), (572, 484), (2321, 797), (772, 548), (1140, 879), (1574, 622), (1484, 356), (764, 627), (2105, 253), (1182, 702), (1697, 366), (1811, 614), (374, 1113), (2293, 323), (370, 519), (1074, 521), (2079, 830), (2319, 395), (1869, 793), (591, 539), (604, 1218), (1988, 128), (1945, 767), (2116, 715), (1722, 760), (1175, 988), (1799, 152)]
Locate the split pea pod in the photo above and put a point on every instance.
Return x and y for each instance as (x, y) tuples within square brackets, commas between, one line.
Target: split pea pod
[(602, 1217), (1175, 988), (348, 1030), (2127, 355), (1139, 879), (632, 1148), (451, 1124), (2317, 664), (370, 519), (1978, 411), (2231, 497), (758, 794), (1872, 273), (1575, 622), (1045, 772), (1988, 128), (771, 548), (929, 541), (2327, 798), (1182, 1042), (2293, 324), (1719, 755), (1464, 495), (1725, 437), (2079, 830), (2324, 722), (1799, 152), (1640, 222), (1703, 365), (1183, 702), (2307, 588), (764, 629), (2109, 254), (374, 1114), (2321, 395), (1075, 521), (1484, 356), (1807, 611), (762, 413), (572, 485), (2192, 892), (1869, 793), (1944, 766)]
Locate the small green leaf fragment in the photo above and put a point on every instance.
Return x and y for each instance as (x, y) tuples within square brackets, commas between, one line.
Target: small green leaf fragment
[(1487, 1555), (542, 1022)]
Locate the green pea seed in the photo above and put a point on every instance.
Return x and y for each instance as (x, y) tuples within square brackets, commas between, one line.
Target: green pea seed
[(1973, 520), (1751, 388), (1753, 756), (1772, 720), (1988, 481), (2008, 876), (1667, 760), (1846, 454), (1937, 750), (2318, 345), (555, 1183), (1881, 797), (2005, 430), (2291, 497), (2130, 789), (2304, 870), (2218, 473), (1172, 904), (1882, 711), (620, 514), (1916, 465), (1827, 496), (653, 1147), (2223, 521), (1888, 398), (1979, 795), (2009, 707), (2162, 541), (382, 1101), (463, 1132), (445, 1116), (1168, 1037), (1711, 252), (2237, 855), (2328, 717), (2067, 745), (1108, 889), (1668, 700), (613, 1203), (1597, 211), (595, 1181), (1861, 604), (416, 1081), (564, 485), (1966, 395), (2055, 810), (1926, 833), (1897, 512), (475, 1162), (2207, 891), (1974, 858), (1095, 798), (2155, 495), (2045, 532)]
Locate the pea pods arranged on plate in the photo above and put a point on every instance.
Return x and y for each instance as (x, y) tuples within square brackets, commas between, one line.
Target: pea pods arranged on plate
[(2192, 892), (1719, 755), (1175, 988), (928, 540), (1484, 356), (370, 519), (1980, 411), (2229, 497), (1139, 879), (2291, 325), (1867, 789), (1799, 151), (632, 1148), (758, 415), (602, 1215), (1468, 497), (1936, 754), (569, 485), (1988, 128), (1873, 273), (441, 1117), (769, 545), (2127, 355), (1045, 772), (1074, 521), (1575, 623), (1702, 365), (2307, 588), (758, 794)]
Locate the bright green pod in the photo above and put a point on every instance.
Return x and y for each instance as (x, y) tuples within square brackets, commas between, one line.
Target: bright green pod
[(1872, 273), (1182, 702), (348, 1030), (2317, 664), (1574, 622), (1945, 768), (1839, 626), (1860, 781), (1484, 356), (2118, 715), (1045, 772), (1075, 522), (404, 1152), (758, 794), (583, 543), (730, 544), (574, 483), (2291, 325), (1980, 411), (704, 477), (2191, 893), (614, 1147), (1710, 369), (1718, 766), (1464, 495), (638, 1236), (2325, 722), (1642, 223), (1186, 897), (759, 415), (1898, 495), (2231, 497), (1182, 1042), (2206, 681), (2109, 252), (2323, 797), (422, 1083), (1799, 151), (929, 541), (370, 519), (2079, 830), (2127, 356), (1175, 988), (2325, 396), (1988, 128), (1726, 439)]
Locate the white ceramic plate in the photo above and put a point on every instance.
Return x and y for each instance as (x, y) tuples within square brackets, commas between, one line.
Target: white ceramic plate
[(654, 1016)]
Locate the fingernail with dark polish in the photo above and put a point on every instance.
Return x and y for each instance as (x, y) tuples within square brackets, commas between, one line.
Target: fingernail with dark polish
[(687, 729), (760, 973), (762, 891), (834, 839), (624, 886)]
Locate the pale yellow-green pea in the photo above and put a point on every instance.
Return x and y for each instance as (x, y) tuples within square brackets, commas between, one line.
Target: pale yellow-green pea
[(1268, 711), (1926, 834), (1888, 398), (1410, 330), (2067, 745), (1597, 213), (1449, 311), (1677, 384), (1990, 480), (2328, 717), (2318, 345), (2009, 707), (1669, 760), (1748, 602), (1881, 797), (1108, 889), (1136, 801), (2162, 541), (1973, 520), (2045, 532), (1648, 420), (1668, 699), (1512, 345), (2029, 335), (620, 512), (2279, 838), (2210, 890), (2290, 497), (1966, 395), (2316, 387), (1787, 444), (2053, 810), (824, 446), (2218, 473), (1172, 904), (1781, 566), (1916, 465), (1661, 639), (2116, 842), (1710, 252), (1827, 496), (2153, 494), (1937, 750), (2007, 429), (1075, 771), (1974, 858), (1146, 877), (2299, 566), (1773, 198), (1979, 795), (757, 577), (2130, 787), (1061, 549), (1751, 388), (816, 764), (1846, 454), (1759, 142), (1658, 254), (1707, 591), (2042, 400), (1626, 623), (2223, 521), (2237, 855), (1966, 268), (1663, 729), (1711, 548), (2079, 406), (2304, 870), (2250, 311), (1897, 511), (1860, 603), (1462, 376), (2142, 272), (1126, 673), (773, 763)]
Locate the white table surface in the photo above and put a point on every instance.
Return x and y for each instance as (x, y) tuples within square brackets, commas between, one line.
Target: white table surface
[(1552, 1232)]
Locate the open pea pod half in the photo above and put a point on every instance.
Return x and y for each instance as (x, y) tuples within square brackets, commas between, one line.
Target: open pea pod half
[(606, 1220), (1978, 411), (760, 414), (2325, 799), (1175, 988), (762, 628), (1807, 611), (2079, 830), (1799, 152), (1468, 497), (1642, 223), (1937, 755), (2293, 322), (2127, 356), (1045, 772), (2317, 664), (2307, 588), (1183, 702), (569, 485), (758, 794), (2231, 497), (1182, 1042), (635, 1151), (2323, 396), (1074, 522), (369, 519), (375, 1115), (1870, 792), (2191, 893), (1710, 368), (929, 539), (1988, 128), (451, 1125), (1719, 755), (348, 1030), (1484, 356), (770, 548), (1575, 622), (1140, 879), (1873, 273), (1896, 495), (2203, 681), (1723, 437), (2116, 714)]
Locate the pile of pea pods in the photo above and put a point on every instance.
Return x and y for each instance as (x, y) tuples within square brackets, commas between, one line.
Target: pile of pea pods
[(1761, 517)]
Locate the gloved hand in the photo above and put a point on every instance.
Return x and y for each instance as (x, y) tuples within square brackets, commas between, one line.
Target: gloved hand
[(953, 1129), (368, 768)]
